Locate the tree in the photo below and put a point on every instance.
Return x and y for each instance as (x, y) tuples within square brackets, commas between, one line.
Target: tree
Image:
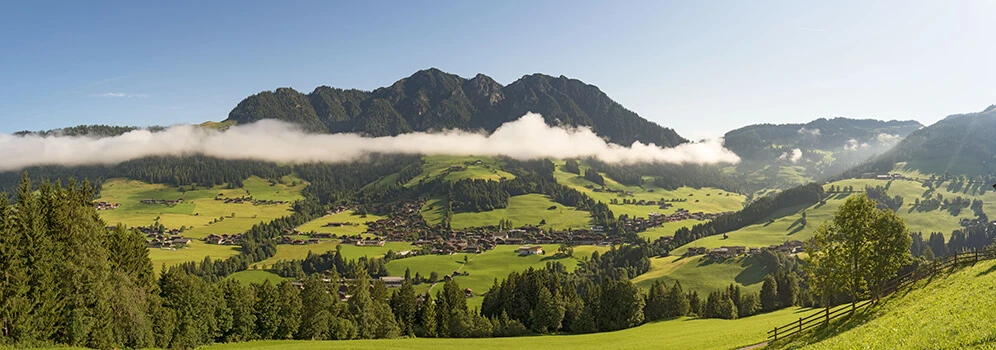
[(316, 312), (266, 309), (676, 304), (238, 322), (656, 303), (788, 288), (404, 308), (549, 312), (290, 307), (860, 249), (750, 304), (769, 294)]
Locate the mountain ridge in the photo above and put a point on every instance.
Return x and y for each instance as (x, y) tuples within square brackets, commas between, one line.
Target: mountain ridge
[(432, 99)]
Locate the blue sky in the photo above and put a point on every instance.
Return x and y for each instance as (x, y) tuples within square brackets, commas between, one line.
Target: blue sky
[(701, 67)]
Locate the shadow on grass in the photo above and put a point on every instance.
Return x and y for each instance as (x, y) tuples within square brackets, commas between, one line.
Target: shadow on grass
[(824, 332), (754, 271)]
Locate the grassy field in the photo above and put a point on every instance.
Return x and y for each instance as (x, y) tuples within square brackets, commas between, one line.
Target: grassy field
[(195, 251), (483, 268), (710, 200), (698, 274), (199, 209), (346, 216), (198, 212), (525, 209), (682, 333), (957, 311), (473, 168)]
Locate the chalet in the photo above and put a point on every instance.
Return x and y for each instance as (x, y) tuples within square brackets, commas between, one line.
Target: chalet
[(370, 243), (468, 292), (696, 251), (180, 241), (736, 250), (392, 281), (313, 241), (322, 235), (530, 250), (721, 253)]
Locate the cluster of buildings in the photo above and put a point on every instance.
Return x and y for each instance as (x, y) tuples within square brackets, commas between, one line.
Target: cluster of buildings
[(726, 252), (169, 202), (105, 205), (225, 239), (658, 219), (882, 176), (247, 199)]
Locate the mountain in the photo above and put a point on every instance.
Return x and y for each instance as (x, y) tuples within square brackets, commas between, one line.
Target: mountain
[(786, 155), (433, 100), (958, 144), (769, 141)]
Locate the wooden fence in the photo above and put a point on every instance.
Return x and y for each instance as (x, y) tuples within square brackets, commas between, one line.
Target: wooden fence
[(823, 317)]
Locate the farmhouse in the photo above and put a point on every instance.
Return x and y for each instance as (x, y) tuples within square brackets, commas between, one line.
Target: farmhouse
[(530, 250), (695, 251), (392, 281)]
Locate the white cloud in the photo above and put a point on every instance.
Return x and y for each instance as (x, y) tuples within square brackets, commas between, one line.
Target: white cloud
[(814, 132), (887, 139), (121, 94), (270, 140), (794, 156), (853, 144)]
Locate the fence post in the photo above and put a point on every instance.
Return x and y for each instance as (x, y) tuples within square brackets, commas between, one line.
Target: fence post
[(976, 257), (776, 333), (828, 316), (800, 324)]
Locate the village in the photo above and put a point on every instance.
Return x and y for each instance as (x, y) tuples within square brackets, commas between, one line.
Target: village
[(726, 252), (161, 237), (658, 219), (167, 202), (247, 199)]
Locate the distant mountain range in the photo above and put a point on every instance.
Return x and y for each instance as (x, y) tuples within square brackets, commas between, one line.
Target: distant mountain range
[(769, 141), (433, 100), (958, 144)]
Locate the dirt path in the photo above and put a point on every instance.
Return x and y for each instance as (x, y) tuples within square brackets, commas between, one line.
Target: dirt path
[(755, 346), (457, 270)]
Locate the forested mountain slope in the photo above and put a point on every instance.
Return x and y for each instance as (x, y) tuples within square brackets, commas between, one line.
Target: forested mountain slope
[(958, 144), (433, 100)]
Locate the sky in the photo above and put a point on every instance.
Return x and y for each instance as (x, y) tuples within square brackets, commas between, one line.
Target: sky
[(700, 67)]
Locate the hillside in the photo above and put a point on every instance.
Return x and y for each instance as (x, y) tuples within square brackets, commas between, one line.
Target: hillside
[(955, 311), (682, 333), (434, 100), (958, 144), (786, 155)]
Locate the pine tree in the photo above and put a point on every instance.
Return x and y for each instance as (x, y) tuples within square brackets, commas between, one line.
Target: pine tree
[(290, 308), (425, 318), (403, 307), (769, 294), (656, 306), (266, 309), (239, 323), (549, 312), (316, 311), (676, 303)]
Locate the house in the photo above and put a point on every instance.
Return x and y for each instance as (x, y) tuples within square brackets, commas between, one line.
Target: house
[(696, 251), (721, 253), (530, 250), (392, 281), (313, 241)]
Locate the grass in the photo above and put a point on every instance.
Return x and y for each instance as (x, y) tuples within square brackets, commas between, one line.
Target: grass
[(710, 200), (524, 209), (347, 216), (682, 333), (195, 251), (256, 276), (956, 311), (435, 166), (197, 213), (483, 268), (698, 274)]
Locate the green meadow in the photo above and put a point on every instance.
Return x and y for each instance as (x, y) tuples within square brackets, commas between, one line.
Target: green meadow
[(709, 200), (681, 333), (200, 215), (256, 276), (484, 268), (349, 216), (524, 209), (957, 311), (472, 168), (704, 276)]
